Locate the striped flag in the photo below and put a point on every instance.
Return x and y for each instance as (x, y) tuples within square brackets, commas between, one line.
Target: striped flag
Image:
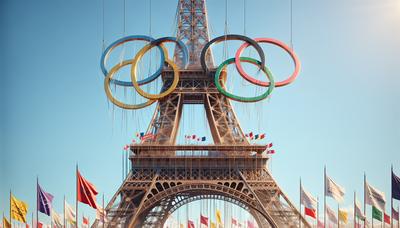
[(395, 214), (331, 215), (44, 200), (203, 221), (190, 224), (307, 199)]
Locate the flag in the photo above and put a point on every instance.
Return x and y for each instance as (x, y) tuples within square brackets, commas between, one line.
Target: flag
[(193, 136), (234, 222), (213, 225), (395, 186), (320, 224), (147, 136), (270, 151), (218, 217), (6, 223), (250, 224), (251, 134), (386, 218), (343, 216), (374, 197), (56, 218), (256, 136), (331, 215), (190, 224), (246, 135), (141, 134), (44, 200), (40, 225), (86, 192), (358, 211), (85, 222), (269, 145), (101, 214), (262, 136), (18, 209), (307, 199), (203, 138), (334, 190), (310, 212), (203, 221), (376, 214), (69, 214), (395, 214), (181, 226)]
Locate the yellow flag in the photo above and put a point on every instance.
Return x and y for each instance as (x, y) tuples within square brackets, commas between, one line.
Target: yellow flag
[(218, 216), (19, 209), (343, 216), (182, 226), (6, 223), (213, 225)]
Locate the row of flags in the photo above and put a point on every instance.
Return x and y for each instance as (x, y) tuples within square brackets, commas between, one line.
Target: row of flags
[(86, 193), (205, 222), (253, 136), (372, 196), (195, 138)]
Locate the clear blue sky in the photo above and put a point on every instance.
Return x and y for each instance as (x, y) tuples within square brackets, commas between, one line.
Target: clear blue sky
[(342, 110)]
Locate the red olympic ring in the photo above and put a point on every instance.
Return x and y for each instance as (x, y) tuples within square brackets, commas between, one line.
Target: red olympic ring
[(263, 83)]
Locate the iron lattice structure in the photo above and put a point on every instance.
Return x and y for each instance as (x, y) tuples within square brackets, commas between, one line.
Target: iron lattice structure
[(165, 176)]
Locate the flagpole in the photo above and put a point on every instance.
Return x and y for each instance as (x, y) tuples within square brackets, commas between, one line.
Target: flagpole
[(10, 209), (338, 221), (391, 197), (300, 206), (317, 215), (354, 209), (76, 199), (325, 196), (104, 212), (32, 220), (65, 224), (37, 202), (365, 206)]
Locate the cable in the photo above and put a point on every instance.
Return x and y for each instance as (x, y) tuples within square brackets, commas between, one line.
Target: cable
[(291, 24)]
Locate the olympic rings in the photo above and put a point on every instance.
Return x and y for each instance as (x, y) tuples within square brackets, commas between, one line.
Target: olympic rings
[(134, 75), (121, 41), (110, 96), (181, 45), (263, 83), (220, 76), (239, 98), (231, 37)]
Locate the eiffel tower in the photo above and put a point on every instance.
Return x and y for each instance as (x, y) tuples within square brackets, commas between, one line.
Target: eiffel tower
[(161, 180)]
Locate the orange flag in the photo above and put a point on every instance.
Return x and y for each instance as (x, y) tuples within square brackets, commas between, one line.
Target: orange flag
[(86, 192)]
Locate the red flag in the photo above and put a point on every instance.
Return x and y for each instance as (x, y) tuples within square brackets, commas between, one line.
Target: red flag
[(270, 145), (27, 225), (193, 136), (40, 225), (262, 136), (190, 224), (234, 222), (251, 134), (203, 220), (250, 224), (86, 191), (310, 212), (85, 221), (387, 218), (271, 152)]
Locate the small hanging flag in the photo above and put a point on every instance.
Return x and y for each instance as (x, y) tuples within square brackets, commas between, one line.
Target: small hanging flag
[(203, 138), (270, 145), (141, 134), (246, 135), (193, 136), (251, 134), (271, 152), (148, 136), (256, 136), (262, 136)]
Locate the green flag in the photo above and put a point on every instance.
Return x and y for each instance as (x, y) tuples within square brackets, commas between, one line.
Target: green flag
[(376, 213)]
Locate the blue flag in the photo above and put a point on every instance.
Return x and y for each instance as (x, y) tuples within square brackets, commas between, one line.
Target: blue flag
[(203, 138), (395, 186), (44, 201)]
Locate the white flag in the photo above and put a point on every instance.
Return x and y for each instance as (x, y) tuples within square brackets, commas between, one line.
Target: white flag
[(56, 218), (69, 214), (374, 197), (307, 199), (358, 211), (331, 215), (334, 190)]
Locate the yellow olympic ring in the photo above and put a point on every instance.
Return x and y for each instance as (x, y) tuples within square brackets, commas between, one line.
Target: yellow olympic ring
[(154, 97), (111, 97)]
